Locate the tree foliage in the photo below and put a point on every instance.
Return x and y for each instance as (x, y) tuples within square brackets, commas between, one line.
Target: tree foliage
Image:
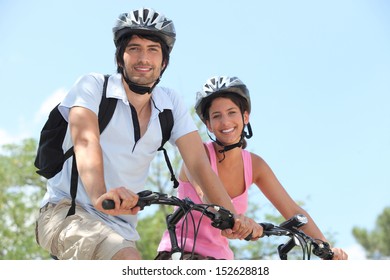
[(376, 242), (151, 228), (21, 190)]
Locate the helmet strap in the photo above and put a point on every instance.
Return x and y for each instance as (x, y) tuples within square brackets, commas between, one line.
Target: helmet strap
[(249, 134), (228, 147), (137, 88)]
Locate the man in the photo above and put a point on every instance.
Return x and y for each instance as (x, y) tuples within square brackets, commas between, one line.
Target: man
[(114, 165)]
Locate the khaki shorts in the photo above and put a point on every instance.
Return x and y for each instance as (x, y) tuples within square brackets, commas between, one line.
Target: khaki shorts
[(78, 237)]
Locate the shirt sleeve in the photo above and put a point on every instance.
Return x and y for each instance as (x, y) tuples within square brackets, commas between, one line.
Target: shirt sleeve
[(86, 92), (183, 121)]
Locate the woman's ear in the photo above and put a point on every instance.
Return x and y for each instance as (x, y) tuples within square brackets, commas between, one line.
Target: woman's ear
[(246, 117)]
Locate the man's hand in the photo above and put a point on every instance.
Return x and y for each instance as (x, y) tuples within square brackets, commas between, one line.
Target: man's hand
[(125, 202)]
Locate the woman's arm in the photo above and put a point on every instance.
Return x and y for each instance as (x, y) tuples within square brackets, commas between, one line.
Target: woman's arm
[(266, 181)]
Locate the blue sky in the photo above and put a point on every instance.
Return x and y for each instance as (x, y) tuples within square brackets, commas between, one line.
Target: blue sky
[(318, 73)]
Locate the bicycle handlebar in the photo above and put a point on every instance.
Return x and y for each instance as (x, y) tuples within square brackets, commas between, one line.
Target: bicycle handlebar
[(290, 228), (222, 218)]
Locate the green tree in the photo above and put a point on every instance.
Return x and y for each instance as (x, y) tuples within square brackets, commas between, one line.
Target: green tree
[(21, 190), (151, 228), (376, 242)]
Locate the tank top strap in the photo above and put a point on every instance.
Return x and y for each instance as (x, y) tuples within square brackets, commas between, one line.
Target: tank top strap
[(248, 172), (213, 157)]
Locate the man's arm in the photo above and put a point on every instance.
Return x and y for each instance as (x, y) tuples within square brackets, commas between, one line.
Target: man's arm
[(84, 128), (85, 134), (195, 158)]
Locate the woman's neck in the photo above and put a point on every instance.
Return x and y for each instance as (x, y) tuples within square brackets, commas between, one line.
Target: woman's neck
[(227, 157)]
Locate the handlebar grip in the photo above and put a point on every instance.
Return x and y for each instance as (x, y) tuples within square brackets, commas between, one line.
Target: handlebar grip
[(249, 237), (108, 204)]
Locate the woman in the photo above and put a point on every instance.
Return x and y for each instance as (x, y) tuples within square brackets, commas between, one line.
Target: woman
[(224, 106)]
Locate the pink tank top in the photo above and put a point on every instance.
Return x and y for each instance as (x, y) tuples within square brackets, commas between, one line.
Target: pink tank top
[(209, 241)]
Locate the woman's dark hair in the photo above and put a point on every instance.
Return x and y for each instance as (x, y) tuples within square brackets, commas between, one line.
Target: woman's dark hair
[(234, 97), (122, 44)]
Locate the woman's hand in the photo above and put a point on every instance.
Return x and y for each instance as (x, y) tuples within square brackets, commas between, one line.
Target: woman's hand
[(339, 254), (243, 227)]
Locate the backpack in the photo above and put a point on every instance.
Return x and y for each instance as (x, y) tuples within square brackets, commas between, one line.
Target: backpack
[(50, 156)]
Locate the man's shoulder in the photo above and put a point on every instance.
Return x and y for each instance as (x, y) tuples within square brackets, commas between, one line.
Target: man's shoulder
[(165, 97), (164, 90), (98, 78)]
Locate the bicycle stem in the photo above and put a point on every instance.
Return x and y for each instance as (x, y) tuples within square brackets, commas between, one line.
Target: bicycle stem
[(171, 221), (284, 249)]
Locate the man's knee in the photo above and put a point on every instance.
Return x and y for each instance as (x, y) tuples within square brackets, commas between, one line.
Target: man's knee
[(128, 253)]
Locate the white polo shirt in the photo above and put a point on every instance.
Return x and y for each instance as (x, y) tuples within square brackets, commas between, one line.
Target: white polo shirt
[(126, 163)]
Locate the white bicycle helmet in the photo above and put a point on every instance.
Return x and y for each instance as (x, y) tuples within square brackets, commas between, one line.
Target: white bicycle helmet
[(145, 21), (220, 84)]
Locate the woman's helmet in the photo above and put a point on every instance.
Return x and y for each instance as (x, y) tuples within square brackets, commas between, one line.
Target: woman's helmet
[(220, 84), (217, 86), (145, 21)]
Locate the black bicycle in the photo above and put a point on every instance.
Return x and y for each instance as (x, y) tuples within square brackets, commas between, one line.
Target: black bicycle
[(222, 218)]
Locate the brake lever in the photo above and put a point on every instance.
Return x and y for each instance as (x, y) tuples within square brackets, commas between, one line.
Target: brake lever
[(146, 198), (322, 250), (223, 218)]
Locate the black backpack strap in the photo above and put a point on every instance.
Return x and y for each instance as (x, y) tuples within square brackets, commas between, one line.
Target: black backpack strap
[(166, 123), (106, 108), (106, 111), (74, 178)]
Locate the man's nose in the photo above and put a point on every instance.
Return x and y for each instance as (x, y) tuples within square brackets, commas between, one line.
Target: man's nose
[(143, 56)]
